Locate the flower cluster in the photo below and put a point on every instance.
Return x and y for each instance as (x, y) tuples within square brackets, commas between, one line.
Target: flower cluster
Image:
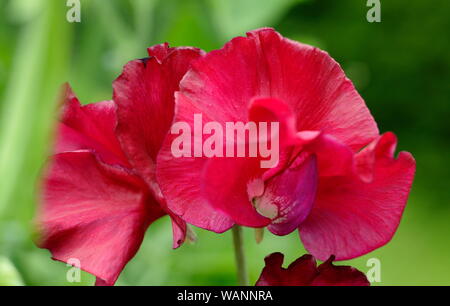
[(113, 172)]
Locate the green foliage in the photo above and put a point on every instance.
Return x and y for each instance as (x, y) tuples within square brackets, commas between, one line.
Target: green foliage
[(26, 119), (8, 274), (235, 17)]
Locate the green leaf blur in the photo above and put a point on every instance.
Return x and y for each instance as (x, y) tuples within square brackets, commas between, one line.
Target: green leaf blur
[(400, 66)]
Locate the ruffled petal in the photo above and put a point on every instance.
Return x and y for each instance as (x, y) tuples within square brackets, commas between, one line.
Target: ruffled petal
[(160, 51), (264, 64), (95, 213), (144, 94), (89, 127), (331, 275), (235, 187), (358, 212), (299, 273), (273, 110)]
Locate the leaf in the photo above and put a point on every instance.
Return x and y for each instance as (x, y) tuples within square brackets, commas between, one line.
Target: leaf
[(9, 276), (40, 65)]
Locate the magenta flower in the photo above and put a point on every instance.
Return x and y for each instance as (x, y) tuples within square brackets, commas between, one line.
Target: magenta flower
[(304, 272), (99, 191), (336, 181)]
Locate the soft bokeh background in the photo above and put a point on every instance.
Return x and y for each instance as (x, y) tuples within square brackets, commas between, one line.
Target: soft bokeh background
[(401, 67)]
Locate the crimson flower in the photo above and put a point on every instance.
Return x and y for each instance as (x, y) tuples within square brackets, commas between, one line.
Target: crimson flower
[(99, 191), (337, 180), (304, 272)]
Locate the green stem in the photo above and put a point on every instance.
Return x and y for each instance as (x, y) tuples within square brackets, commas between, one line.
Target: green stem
[(239, 255)]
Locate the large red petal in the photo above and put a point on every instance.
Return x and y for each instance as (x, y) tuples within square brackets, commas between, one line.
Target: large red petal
[(95, 213), (181, 180), (144, 94), (264, 64), (225, 182), (356, 213), (223, 85)]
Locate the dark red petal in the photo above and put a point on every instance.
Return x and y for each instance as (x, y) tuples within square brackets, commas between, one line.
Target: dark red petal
[(222, 179), (89, 127), (95, 213), (144, 94), (228, 182), (353, 215), (300, 273), (331, 275), (273, 273), (181, 181)]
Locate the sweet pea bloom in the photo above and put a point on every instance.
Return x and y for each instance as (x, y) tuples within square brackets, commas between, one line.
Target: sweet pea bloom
[(99, 191), (337, 180), (304, 272)]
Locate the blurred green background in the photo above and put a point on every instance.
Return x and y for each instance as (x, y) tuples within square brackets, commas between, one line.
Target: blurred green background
[(400, 66)]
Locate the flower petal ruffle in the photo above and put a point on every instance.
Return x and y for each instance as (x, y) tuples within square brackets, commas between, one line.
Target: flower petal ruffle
[(89, 127), (94, 213), (360, 210), (144, 94), (331, 275)]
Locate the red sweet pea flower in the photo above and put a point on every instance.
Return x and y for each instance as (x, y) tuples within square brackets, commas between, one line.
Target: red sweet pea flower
[(304, 272), (99, 191), (337, 180)]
